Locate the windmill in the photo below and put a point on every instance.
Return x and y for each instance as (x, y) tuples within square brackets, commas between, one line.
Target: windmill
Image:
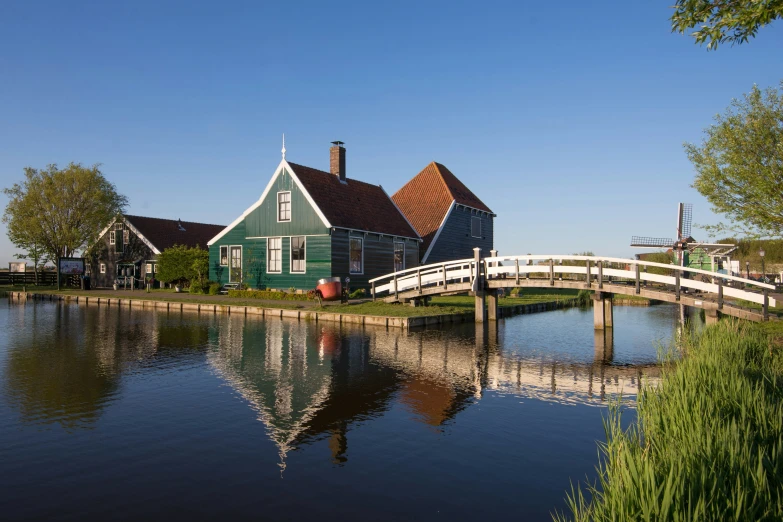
[(684, 242)]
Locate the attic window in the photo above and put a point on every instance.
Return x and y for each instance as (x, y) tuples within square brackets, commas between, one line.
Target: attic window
[(179, 226), (283, 206), (475, 226)]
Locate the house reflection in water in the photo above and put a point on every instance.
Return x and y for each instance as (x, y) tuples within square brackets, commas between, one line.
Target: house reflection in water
[(311, 381)]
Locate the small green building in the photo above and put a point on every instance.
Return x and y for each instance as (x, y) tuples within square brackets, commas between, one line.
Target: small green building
[(311, 224)]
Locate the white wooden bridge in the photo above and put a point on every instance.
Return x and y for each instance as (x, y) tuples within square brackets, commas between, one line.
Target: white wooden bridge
[(718, 294)]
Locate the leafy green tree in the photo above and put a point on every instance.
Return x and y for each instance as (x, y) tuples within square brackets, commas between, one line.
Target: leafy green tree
[(739, 165), (60, 210), (722, 21), (180, 264), (36, 254)]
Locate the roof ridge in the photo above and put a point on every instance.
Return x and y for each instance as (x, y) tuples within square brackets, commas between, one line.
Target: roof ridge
[(443, 180), (172, 220), (354, 180)]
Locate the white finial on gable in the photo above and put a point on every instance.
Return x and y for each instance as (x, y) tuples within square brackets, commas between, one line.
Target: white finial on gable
[(283, 151)]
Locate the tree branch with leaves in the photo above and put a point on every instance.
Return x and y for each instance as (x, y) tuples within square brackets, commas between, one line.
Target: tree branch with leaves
[(739, 165), (724, 21)]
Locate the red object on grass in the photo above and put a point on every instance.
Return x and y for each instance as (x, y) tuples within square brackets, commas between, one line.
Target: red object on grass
[(330, 288)]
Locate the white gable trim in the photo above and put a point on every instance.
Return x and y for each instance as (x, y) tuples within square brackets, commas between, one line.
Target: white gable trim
[(133, 229), (141, 236), (437, 234), (108, 227), (401, 213), (283, 164)]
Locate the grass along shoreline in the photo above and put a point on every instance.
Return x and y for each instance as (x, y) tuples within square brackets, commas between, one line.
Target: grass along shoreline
[(447, 305), (708, 441)]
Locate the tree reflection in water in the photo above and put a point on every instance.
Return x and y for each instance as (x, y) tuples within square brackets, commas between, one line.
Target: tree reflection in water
[(64, 366)]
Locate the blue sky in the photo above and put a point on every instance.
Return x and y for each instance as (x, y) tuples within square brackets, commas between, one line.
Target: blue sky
[(566, 118)]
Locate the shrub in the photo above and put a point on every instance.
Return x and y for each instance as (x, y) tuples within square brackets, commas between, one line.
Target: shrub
[(357, 294), (213, 288), (270, 294), (196, 288), (179, 264)]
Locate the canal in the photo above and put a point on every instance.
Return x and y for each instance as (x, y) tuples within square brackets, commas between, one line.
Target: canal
[(128, 414)]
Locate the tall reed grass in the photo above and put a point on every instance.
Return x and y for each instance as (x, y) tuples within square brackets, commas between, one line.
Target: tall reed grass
[(708, 441)]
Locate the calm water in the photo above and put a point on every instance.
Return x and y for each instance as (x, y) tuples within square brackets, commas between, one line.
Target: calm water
[(140, 415)]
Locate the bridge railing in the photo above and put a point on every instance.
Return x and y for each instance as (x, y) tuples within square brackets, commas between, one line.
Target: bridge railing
[(438, 274), (593, 270), (596, 269)]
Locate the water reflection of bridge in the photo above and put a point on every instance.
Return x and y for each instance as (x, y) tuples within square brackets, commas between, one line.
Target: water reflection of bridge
[(311, 381)]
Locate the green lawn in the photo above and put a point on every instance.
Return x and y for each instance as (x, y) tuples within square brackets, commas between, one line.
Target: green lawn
[(438, 305), (454, 304), (173, 297)]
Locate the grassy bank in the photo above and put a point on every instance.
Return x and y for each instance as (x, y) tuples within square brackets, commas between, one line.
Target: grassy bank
[(708, 443), (438, 306), (455, 304)]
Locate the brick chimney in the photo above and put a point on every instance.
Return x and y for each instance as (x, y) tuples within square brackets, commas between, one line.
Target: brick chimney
[(337, 159)]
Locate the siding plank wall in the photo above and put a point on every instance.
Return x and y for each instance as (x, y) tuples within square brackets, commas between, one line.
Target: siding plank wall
[(378, 257), (262, 222), (254, 264), (455, 240)]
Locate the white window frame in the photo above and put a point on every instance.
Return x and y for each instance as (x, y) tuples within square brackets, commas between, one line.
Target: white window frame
[(220, 255), (241, 262), (112, 237), (148, 268), (394, 252), (103, 268), (479, 226), (289, 206), (268, 250), (291, 256), (361, 240), (125, 236)]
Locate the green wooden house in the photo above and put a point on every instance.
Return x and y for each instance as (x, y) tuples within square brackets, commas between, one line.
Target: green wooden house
[(310, 224)]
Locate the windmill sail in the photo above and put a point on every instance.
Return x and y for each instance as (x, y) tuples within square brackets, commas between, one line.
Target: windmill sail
[(651, 242), (684, 220)]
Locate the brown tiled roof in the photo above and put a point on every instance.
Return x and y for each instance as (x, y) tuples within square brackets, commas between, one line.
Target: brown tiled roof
[(354, 204), (165, 233), (426, 198)]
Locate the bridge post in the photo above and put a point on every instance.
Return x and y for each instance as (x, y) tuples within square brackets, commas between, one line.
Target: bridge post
[(373, 291), (587, 276), (600, 275), (396, 290), (445, 283), (711, 316), (516, 265), (638, 280), (478, 288), (551, 272), (677, 284), (604, 345), (418, 279), (765, 306), (602, 311), (492, 304), (720, 293)]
